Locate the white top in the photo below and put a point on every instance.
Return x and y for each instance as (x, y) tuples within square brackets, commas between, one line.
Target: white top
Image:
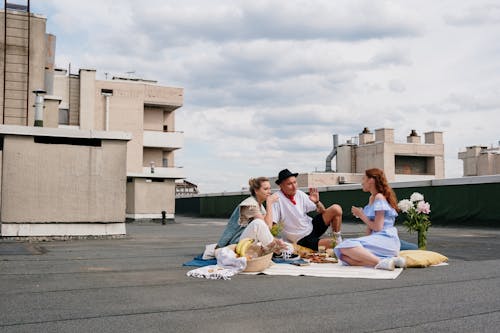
[(297, 224), (249, 208)]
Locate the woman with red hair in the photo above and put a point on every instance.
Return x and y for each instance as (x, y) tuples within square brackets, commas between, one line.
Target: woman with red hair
[(380, 248)]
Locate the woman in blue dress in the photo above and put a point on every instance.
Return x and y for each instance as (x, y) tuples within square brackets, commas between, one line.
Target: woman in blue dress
[(380, 248)]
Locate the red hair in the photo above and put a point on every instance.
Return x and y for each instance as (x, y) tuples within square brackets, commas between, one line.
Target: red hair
[(382, 186)]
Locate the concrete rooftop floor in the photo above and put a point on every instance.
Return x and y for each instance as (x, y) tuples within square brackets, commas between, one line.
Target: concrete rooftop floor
[(138, 284)]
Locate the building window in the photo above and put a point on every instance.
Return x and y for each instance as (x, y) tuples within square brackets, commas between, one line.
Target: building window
[(108, 92), (67, 141), (414, 165), (165, 128), (63, 116), (165, 163)]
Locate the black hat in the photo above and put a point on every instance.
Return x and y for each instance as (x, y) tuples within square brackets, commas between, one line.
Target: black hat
[(284, 174)]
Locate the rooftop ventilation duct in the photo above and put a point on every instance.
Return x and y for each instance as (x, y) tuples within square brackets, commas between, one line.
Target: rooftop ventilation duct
[(39, 105), (332, 154)]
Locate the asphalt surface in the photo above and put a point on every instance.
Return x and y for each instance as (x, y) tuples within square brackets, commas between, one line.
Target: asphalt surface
[(138, 284)]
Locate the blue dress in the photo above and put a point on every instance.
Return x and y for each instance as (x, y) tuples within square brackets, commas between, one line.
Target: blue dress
[(384, 243)]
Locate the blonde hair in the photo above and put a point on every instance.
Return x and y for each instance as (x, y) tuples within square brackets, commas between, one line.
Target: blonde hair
[(256, 183)]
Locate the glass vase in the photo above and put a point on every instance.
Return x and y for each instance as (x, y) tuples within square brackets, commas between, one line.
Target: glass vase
[(422, 239)]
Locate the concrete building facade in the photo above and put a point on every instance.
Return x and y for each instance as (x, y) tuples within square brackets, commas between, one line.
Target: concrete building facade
[(140, 111), (23, 62), (142, 108), (480, 160)]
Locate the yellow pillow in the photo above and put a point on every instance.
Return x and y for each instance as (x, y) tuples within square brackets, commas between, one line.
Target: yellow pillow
[(422, 258)]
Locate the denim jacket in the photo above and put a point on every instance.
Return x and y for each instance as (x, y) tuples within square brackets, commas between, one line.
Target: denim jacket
[(232, 233)]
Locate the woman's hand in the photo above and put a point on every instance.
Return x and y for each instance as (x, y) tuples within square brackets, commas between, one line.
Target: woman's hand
[(356, 211), (270, 200)]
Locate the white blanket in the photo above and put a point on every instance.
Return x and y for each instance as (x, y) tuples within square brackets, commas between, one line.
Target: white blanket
[(332, 270)]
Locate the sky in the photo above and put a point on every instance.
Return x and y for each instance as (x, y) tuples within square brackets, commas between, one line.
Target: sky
[(267, 83)]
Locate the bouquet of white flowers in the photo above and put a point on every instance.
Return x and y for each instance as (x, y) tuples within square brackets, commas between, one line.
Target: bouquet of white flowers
[(417, 216)]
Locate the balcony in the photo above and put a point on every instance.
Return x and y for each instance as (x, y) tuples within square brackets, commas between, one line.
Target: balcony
[(165, 140), (160, 172), (169, 98)]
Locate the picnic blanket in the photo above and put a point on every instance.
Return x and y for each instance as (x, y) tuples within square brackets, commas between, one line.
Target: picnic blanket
[(330, 270)]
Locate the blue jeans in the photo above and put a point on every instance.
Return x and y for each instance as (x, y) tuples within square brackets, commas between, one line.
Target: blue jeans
[(407, 245)]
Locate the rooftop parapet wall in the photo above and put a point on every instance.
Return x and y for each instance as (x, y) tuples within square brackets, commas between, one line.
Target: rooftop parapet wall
[(456, 201)]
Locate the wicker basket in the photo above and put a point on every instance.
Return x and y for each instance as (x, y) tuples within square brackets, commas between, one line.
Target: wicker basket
[(259, 264)]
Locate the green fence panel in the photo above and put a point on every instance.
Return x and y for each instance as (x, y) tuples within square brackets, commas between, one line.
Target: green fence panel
[(462, 204), (219, 206), (188, 206)]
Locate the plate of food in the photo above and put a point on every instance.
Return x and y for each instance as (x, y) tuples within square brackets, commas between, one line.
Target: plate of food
[(320, 258)]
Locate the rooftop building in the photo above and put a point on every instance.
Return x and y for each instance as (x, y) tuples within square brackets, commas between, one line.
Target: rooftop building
[(401, 161), (183, 188), (142, 108), (69, 103), (410, 160), (480, 160)]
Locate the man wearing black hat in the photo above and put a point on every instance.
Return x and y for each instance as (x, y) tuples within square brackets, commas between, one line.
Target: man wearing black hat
[(292, 209)]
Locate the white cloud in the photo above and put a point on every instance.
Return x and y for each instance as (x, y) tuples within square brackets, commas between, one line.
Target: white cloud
[(475, 14), (396, 85), (267, 83)]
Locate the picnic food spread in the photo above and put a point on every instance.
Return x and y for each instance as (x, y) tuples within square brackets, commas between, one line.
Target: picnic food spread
[(247, 247), (319, 258)]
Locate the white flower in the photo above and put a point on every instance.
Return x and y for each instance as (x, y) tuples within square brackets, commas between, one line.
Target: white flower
[(423, 207), (405, 205), (415, 197)]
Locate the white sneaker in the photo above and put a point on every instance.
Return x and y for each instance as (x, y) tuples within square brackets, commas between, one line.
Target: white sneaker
[(287, 252), (387, 264), (338, 237), (399, 262)]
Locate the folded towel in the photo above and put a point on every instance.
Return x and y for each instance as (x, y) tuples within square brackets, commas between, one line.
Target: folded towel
[(213, 272), (227, 266)]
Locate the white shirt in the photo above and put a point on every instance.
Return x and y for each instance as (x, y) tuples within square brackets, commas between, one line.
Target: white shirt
[(297, 224)]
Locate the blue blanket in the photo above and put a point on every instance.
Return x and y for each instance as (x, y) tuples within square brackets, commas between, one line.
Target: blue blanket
[(199, 262)]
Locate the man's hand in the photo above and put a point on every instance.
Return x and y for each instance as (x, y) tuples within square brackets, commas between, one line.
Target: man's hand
[(314, 195)]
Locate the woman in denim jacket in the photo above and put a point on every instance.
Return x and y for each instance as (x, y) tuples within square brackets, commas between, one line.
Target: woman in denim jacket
[(251, 219)]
